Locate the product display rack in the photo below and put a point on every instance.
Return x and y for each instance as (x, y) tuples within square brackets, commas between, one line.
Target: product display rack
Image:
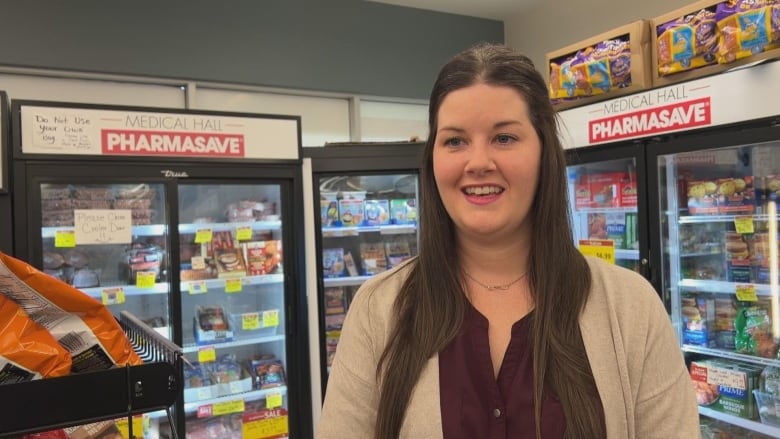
[(100, 395)]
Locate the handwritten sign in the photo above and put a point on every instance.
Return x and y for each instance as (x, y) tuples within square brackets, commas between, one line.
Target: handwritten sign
[(113, 296), (271, 318), (244, 233), (64, 238), (207, 354), (103, 226), (61, 131), (746, 293), (265, 424), (273, 400), (600, 248), (250, 321), (233, 285), (744, 224), (227, 407), (203, 236), (145, 279)]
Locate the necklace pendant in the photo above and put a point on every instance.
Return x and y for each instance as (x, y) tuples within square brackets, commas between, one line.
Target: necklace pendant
[(498, 287)]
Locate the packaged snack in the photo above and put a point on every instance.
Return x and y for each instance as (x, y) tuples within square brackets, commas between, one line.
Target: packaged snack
[(329, 212), (333, 262), (373, 257), (81, 324), (349, 261), (403, 211), (230, 263), (335, 302), (593, 70), (377, 212), (397, 251), (351, 212), (746, 27), (263, 257), (27, 350), (698, 317), (726, 386), (687, 42), (753, 326), (212, 325)]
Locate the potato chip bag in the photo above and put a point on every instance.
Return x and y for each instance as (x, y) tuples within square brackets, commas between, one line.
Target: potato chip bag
[(81, 324), (27, 350)]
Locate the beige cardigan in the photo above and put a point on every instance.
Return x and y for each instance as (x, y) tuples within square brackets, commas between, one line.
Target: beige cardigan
[(639, 370)]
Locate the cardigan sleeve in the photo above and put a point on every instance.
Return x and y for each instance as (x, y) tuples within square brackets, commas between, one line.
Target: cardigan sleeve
[(666, 404), (351, 398)]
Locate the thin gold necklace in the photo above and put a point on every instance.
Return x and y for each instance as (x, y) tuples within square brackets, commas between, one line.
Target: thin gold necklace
[(501, 287)]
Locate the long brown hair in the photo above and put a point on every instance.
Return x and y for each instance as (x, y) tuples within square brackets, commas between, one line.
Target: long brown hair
[(431, 304)]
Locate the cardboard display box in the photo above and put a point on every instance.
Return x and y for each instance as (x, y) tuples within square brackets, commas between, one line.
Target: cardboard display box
[(638, 34), (707, 70)]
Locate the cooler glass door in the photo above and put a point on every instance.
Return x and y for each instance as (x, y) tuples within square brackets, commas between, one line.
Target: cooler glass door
[(719, 224), (233, 309), (368, 225), (110, 240), (604, 210)]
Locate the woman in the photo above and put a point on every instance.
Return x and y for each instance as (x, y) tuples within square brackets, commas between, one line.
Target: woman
[(500, 327)]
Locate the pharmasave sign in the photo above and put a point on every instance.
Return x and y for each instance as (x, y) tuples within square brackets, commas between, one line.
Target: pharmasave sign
[(107, 132), (730, 97)]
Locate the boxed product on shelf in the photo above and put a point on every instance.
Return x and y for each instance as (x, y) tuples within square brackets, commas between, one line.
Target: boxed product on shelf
[(702, 197), (212, 325), (333, 262), (329, 212), (403, 211), (725, 314), (753, 330), (760, 259), (377, 212), (726, 386), (373, 256), (768, 408), (268, 372), (736, 196), (397, 250), (349, 262), (335, 300), (351, 212), (737, 258), (263, 257), (708, 37), (698, 319), (767, 189), (230, 263), (206, 380), (607, 65), (603, 190)]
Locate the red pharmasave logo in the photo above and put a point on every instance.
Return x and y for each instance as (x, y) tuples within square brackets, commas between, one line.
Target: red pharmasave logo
[(171, 143), (677, 116)]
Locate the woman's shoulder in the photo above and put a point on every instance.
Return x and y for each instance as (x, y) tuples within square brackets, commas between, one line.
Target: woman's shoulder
[(619, 288), (377, 295)]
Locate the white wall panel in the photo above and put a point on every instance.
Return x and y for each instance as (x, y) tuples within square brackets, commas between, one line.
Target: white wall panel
[(392, 121)]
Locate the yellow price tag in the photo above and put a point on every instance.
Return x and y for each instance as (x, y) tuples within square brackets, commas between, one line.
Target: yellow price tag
[(747, 293), (264, 428), (65, 238), (744, 224), (145, 279), (270, 318), (227, 407), (198, 287), (273, 400), (198, 263), (113, 296), (244, 233), (138, 427), (600, 248), (203, 236), (250, 320), (233, 285), (207, 354)]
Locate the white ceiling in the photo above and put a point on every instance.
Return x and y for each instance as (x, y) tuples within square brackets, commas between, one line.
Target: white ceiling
[(493, 9)]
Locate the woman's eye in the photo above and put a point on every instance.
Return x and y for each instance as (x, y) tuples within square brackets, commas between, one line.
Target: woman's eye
[(504, 138), (453, 141)]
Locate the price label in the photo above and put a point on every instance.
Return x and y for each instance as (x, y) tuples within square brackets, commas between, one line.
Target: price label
[(145, 279), (198, 287), (747, 293), (273, 400), (250, 320), (599, 248), (244, 233), (65, 238), (207, 354), (270, 318), (138, 426), (744, 224), (204, 411), (203, 236), (113, 296), (227, 407), (265, 427), (198, 263), (233, 285)]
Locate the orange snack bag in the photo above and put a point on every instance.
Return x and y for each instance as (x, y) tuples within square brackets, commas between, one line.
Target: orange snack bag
[(81, 324), (27, 350)]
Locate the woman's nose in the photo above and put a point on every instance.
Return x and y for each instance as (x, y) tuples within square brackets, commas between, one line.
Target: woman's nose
[(480, 159)]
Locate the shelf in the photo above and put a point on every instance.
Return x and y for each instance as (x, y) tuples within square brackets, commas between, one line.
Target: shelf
[(192, 407), (190, 348), (719, 286), (700, 254), (391, 229), (731, 355), (129, 290), (698, 219), (147, 230), (219, 284), (741, 422), (627, 254), (629, 209), (223, 227), (345, 281)]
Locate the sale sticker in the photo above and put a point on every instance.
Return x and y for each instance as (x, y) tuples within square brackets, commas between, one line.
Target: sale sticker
[(145, 279), (747, 293), (265, 424), (600, 248), (250, 320), (207, 354), (203, 236), (65, 238), (744, 224), (244, 233), (113, 296), (273, 400), (198, 287), (270, 318), (227, 407), (233, 285)]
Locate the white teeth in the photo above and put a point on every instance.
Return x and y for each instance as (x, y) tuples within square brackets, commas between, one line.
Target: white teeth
[(483, 190)]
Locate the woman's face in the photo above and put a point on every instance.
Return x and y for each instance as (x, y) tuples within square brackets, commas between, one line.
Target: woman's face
[(486, 162)]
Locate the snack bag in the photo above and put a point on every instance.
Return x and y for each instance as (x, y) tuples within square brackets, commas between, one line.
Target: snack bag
[(687, 43), (747, 27), (27, 350), (81, 324)]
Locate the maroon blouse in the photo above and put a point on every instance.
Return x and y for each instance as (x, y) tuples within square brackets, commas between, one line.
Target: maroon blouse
[(475, 404)]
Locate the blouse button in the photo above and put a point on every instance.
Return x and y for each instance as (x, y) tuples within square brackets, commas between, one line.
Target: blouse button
[(497, 413)]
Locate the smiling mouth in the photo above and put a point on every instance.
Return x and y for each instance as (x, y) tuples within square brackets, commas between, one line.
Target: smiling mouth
[(482, 190)]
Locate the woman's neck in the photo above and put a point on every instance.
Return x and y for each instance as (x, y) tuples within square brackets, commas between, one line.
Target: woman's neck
[(495, 262)]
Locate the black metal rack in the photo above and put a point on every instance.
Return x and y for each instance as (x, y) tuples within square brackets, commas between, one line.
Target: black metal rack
[(54, 403)]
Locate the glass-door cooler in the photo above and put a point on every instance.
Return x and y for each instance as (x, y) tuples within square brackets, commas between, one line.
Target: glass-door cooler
[(717, 223)]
